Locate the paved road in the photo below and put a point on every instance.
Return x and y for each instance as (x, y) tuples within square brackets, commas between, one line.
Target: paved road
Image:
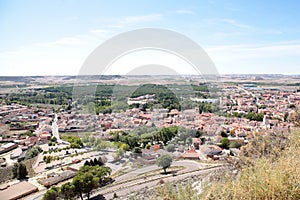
[(188, 164), (191, 168), (133, 186)]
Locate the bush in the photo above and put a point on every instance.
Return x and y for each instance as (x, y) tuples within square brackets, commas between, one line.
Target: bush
[(170, 148), (235, 145), (224, 143), (136, 150), (223, 134), (125, 147), (34, 151)]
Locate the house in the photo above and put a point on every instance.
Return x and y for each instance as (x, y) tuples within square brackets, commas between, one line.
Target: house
[(211, 150), (7, 147), (45, 136), (190, 154), (18, 190)]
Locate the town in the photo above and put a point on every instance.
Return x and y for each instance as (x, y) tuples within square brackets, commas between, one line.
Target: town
[(47, 138)]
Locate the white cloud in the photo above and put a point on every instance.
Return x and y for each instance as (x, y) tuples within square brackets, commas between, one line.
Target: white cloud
[(280, 57), (60, 57), (136, 59), (64, 55), (258, 51)]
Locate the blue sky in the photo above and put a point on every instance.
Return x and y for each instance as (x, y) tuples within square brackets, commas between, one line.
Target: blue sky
[(55, 37)]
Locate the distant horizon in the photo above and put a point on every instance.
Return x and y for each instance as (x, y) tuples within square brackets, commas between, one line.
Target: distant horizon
[(152, 75)]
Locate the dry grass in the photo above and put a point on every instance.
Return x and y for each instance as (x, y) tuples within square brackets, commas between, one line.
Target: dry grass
[(169, 192), (5, 174), (272, 176)]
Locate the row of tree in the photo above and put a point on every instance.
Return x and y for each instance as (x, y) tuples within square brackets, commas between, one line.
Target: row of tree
[(87, 179)]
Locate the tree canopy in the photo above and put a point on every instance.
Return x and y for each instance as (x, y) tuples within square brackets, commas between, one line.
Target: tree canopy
[(87, 179), (164, 161), (20, 170)]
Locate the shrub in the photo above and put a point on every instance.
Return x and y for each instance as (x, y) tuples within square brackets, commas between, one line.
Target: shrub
[(136, 150), (170, 147), (235, 145), (224, 143)]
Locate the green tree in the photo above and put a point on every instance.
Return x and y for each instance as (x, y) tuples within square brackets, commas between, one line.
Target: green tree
[(48, 159), (67, 191), (131, 140), (20, 170), (89, 178), (170, 147), (75, 141), (87, 163), (96, 161), (167, 133), (164, 161), (34, 151), (92, 162), (99, 171), (51, 194), (84, 183)]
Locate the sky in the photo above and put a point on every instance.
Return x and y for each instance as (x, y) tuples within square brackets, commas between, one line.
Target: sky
[(241, 37)]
